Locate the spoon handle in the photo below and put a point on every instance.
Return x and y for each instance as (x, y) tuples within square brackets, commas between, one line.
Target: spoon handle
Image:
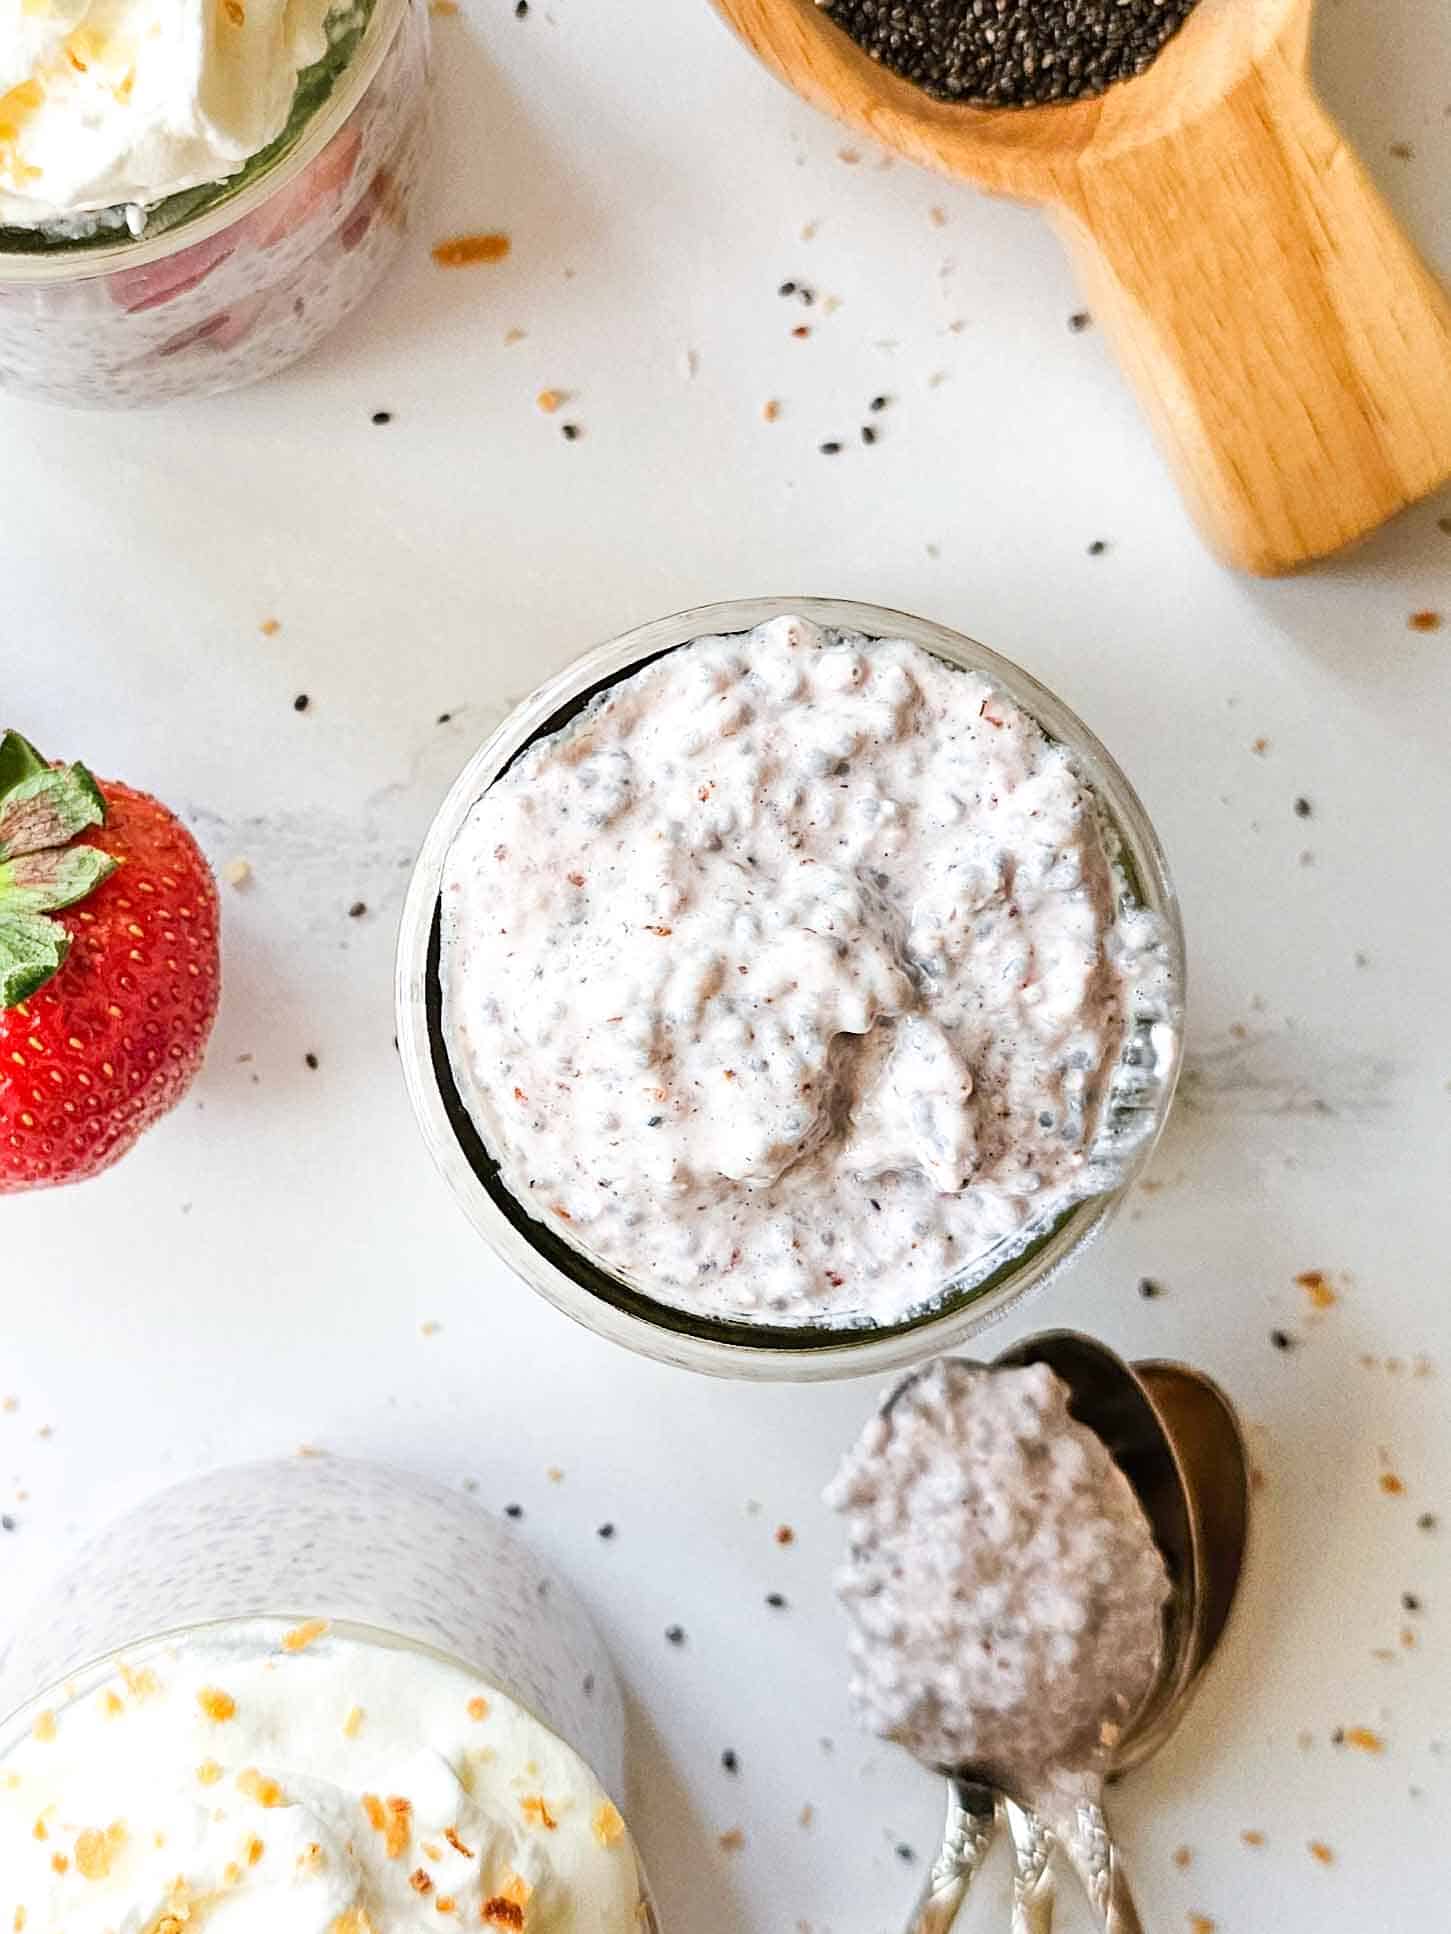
[(1089, 1845), (1292, 348), (1033, 1889), (966, 1837)]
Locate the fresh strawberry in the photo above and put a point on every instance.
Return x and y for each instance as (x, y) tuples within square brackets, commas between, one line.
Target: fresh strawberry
[(109, 967)]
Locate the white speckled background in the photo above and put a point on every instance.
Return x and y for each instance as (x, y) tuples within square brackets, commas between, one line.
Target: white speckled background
[(258, 1273)]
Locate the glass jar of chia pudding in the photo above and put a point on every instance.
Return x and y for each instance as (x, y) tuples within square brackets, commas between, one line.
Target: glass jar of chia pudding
[(1129, 1093), (221, 284), (377, 1687)]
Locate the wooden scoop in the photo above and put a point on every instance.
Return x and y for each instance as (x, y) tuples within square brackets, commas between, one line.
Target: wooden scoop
[(1292, 349)]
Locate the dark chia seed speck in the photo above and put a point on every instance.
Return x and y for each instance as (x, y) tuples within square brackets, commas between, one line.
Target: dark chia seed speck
[(831, 449), (904, 1852), (1097, 547), (1302, 809), (776, 1601), (1149, 1289), (312, 1061), (513, 1510), (7, 1523), (1282, 1339), (1427, 1521), (675, 1634), (1079, 321), (1012, 53), (1410, 1602), (869, 435), (606, 1531), (357, 909), (382, 416), (729, 1761), (301, 702)]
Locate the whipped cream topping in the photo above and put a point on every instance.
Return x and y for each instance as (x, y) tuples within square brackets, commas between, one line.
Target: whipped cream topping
[(106, 103), (1003, 1585), (254, 1780), (790, 979)]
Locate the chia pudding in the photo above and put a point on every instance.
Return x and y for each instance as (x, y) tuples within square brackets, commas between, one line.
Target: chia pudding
[(1003, 1587), (788, 982)]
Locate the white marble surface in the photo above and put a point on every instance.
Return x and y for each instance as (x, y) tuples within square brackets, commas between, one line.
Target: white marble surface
[(258, 1273)]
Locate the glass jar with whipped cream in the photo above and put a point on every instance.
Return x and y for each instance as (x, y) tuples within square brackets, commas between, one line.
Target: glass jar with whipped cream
[(321, 1694), (788, 987), (187, 205)]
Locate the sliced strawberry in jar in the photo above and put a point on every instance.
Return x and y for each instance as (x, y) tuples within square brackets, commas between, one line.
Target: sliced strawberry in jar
[(157, 282), (319, 188), (380, 197), (222, 331)]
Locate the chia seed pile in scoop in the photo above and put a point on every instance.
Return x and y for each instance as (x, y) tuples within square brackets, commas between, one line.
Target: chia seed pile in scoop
[(1012, 53)]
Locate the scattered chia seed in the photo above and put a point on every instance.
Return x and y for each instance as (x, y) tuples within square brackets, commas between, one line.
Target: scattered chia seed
[(1303, 809), (1097, 547), (444, 718), (877, 405), (513, 1510), (605, 1531), (357, 909), (301, 702), (675, 1634), (1410, 1602), (787, 288), (1149, 1289), (569, 431), (1012, 53), (1337, 1738), (729, 1761), (1282, 1339), (382, 416), (831, 449), (1427, 1521), (311, 1060), (776, 1601), (869, 435), (1079, 321), (7, 1523), (904, 1852), (654, 1121), (521, 9)]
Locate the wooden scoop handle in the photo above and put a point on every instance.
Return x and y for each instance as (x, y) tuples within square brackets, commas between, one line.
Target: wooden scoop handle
[(1292, 349)]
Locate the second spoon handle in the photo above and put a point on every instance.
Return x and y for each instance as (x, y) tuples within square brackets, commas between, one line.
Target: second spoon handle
[(1033, 1890), (966, 1837), (1084, 1835)]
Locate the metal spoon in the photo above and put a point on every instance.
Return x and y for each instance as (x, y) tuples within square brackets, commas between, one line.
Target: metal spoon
[(1201, 1424), (1140, 1428)]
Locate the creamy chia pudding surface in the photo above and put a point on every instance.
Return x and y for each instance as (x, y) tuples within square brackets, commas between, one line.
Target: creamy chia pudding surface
[(1003, 1585), (787, 981)]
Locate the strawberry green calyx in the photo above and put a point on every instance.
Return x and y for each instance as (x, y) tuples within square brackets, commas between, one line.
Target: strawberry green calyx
[(42, 809)]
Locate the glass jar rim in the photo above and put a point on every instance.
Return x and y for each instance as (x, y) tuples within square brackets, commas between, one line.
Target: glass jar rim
[(134, 252), (647, 1325)]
